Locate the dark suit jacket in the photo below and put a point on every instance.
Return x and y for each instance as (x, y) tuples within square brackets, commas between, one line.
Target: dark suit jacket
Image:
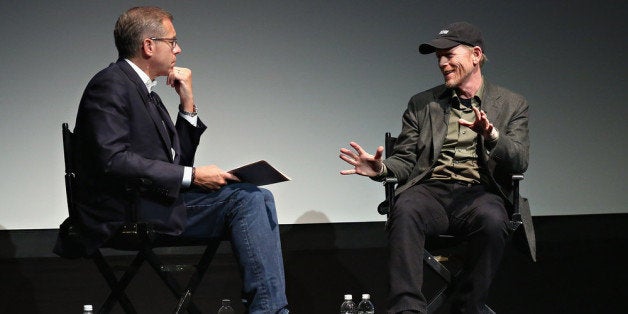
[(126, 167), (425, 127)]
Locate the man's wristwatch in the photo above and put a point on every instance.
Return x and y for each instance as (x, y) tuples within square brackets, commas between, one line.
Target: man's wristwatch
[(189, 114)]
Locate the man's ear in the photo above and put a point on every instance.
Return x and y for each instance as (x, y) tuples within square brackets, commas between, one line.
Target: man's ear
[(148, 47), (477, 54)]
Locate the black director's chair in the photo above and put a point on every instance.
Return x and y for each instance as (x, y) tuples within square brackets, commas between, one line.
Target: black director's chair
[(436, 263), (136, 237)]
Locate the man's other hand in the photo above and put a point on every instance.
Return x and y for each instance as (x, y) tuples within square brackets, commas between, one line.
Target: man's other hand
[(212, 177)]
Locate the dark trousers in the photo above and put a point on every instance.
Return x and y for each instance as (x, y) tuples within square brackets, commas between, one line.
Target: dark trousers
[(433, 208)]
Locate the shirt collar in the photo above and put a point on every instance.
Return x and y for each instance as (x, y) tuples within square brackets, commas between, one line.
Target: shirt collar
[(143, 76), (478, 95)]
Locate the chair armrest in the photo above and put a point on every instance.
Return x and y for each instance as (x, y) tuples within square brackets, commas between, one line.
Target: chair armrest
[(515, 219), (517, 177), (390, 180), (389, 188)]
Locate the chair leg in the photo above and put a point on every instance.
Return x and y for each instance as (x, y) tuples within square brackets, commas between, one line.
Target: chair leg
[(170, 282), (437, 266), (197, 276), (117, 286), (441, 294), (487, 310)]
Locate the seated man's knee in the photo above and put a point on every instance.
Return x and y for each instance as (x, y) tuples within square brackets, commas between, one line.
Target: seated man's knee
[(493, 222), (410, 212), (250, 198), (404, 209), (268, 195), (245, 193)]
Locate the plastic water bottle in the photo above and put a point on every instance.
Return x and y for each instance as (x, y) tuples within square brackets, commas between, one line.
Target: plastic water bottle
[(347, 307), (366, 306), (88, 309), (226, 307)]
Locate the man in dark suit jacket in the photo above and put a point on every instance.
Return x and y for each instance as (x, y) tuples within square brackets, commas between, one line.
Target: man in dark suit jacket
[(136, 164), (459, 146)]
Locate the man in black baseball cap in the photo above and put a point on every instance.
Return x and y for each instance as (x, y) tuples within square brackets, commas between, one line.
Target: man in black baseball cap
[(459, 145)]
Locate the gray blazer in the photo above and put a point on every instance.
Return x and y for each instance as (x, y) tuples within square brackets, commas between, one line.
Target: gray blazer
[(424, 128)]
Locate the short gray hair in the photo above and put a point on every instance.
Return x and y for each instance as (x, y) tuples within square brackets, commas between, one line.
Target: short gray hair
[(136, 24)]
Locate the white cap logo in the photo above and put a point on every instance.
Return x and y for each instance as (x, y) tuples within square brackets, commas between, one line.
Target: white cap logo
[(444, 32)]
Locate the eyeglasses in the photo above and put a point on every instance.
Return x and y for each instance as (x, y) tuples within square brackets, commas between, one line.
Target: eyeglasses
[(172, 41)]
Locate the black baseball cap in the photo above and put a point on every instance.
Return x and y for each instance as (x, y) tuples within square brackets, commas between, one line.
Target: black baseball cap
[(453, 35)]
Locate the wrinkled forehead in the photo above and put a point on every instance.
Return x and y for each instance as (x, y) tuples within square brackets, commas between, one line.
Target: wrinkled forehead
[(169, 30)]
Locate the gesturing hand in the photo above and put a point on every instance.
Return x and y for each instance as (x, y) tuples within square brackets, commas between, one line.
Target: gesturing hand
[(481, 125), (364, 163)]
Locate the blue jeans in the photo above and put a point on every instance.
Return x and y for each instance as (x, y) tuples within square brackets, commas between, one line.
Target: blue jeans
[(246, 215)]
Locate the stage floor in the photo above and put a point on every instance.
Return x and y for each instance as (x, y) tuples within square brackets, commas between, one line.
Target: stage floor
[(568, 278)]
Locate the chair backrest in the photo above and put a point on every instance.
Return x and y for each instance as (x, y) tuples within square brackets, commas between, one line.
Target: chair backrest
[(389, 183), (70, 171), (389, 144), (131, 236)]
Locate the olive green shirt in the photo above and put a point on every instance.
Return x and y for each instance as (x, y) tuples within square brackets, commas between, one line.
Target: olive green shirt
[(458, 160)]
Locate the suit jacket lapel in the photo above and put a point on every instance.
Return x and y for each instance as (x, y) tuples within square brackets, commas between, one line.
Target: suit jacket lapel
[(166, 123), (150, 107), (439, 118), (166, 128), (490, 103)]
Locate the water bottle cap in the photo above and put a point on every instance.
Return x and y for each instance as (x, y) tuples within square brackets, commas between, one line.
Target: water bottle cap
[(366, 296), (348, 297), (88, 307)]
